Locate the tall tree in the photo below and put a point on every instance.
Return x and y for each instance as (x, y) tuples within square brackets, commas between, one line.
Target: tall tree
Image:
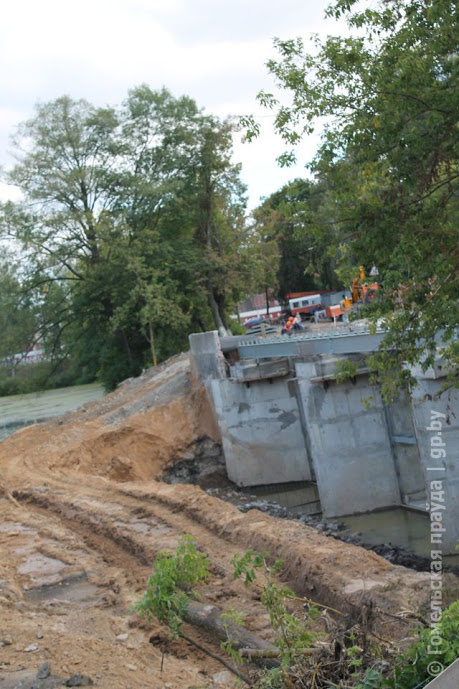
[(294, 218), (116, 204), (220, 224), (389, 93)]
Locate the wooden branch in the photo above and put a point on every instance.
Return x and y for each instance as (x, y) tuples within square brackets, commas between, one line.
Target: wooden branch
[(216, 657), (210, 618), (8, 496), (410, 96), (272, 653)]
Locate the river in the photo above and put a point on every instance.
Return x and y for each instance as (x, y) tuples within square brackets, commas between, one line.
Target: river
[(396, 526), (17, 411)]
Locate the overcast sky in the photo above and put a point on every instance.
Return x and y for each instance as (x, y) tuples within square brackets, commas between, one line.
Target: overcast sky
[(212, 50)]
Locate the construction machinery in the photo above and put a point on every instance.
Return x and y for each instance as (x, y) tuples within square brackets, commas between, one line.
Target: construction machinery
[(337, 304)]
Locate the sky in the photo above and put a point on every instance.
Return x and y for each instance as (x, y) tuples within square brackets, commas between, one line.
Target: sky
[(212, 50)]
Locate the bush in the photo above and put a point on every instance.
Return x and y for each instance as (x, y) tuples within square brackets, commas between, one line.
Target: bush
[(174, 575), (41, 375), (434, 651), (237, 328), (9, 386)]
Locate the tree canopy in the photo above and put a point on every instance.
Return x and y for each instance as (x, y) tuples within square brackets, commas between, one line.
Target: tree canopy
[(131, 227), (295, 218), (387, 98)]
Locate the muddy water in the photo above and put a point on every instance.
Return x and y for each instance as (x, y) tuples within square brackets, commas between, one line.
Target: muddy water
[(393, 529), (18, 411), (398, 526)]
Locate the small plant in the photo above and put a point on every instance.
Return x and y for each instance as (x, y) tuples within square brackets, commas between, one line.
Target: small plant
[(424, 659), (168, 589), (345, 369), (228, 645), (354, 657), (293, 637), (371, 680)]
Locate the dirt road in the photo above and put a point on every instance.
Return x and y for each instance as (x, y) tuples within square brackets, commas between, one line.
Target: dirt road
[(82, 518)]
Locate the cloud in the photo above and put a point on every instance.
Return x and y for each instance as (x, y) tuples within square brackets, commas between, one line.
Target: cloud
[(199, 21), (212, 50)]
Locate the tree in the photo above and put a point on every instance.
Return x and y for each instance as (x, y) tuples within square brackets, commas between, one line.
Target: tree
[(219, 218), (389, 153), (18, 316), (293, 218), (136, 213)]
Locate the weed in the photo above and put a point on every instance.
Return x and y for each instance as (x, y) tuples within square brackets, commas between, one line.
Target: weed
[(342, 658), (174, 575), (414, 667)]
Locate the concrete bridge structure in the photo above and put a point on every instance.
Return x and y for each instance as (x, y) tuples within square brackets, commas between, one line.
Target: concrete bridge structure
[(284, 418)]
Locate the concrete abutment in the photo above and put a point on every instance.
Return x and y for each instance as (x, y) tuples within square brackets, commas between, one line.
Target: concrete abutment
[(285, 418)]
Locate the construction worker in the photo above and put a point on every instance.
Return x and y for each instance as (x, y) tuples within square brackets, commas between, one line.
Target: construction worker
[(288, 326), (296, 325)]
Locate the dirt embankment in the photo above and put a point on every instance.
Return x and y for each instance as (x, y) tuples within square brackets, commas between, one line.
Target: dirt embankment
[(82, 518)]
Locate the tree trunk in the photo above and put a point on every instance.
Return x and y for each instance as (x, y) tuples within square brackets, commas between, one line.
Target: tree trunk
[(222, 331), (210, 618), (122, 339), (152, 345)]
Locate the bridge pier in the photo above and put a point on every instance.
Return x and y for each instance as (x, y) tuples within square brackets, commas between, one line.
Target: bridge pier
[(284, 417)]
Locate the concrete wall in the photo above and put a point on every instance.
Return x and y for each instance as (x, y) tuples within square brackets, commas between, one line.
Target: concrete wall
[(406, 452), (449, 679), (261, 432), (304, 426), (437, 429), (207, 359), (349, 443)]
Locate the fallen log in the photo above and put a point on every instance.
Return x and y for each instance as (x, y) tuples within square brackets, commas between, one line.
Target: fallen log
[(209, 617)]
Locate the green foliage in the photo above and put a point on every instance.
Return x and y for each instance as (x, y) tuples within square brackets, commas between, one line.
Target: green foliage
[(354, 657), (228, 645), (18, 312), (371, 680), (345, 369), (388, 158), (237, 328), (273, 678), (246, 564), (170, 586), (43, 375), (292, 633), (130, 230), (424, 659), (293, 223)]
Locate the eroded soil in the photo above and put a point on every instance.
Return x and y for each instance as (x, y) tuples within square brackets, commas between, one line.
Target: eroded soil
[(82, 517)]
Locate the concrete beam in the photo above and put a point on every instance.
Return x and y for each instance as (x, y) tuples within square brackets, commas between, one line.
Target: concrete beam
[(437, 431), (207, 358)]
